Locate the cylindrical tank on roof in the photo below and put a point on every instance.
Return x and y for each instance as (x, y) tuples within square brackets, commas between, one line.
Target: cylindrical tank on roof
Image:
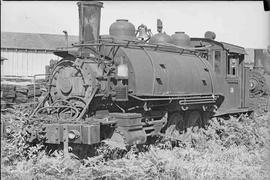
[(123, 29), (160, 38), (210, 35), (180, 39)]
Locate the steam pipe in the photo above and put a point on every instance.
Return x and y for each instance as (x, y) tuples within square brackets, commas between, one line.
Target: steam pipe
[(66, 37)]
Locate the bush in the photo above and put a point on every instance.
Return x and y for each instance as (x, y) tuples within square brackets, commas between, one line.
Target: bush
[(226, 149)]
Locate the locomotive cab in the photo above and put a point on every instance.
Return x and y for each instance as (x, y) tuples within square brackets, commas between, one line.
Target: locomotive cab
[(227, 61)]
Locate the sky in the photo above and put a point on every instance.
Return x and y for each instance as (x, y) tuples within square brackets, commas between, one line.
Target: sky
[(244, 23)]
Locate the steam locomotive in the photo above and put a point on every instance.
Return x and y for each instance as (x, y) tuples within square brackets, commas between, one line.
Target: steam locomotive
[(260, 73), (130, 85)]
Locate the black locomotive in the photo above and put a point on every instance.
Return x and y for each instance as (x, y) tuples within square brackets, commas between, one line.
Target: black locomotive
[(130, 85), (260, 73)]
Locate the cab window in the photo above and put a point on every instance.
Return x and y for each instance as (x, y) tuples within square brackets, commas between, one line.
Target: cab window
[(232, 65), (217, 62), (203, 54)]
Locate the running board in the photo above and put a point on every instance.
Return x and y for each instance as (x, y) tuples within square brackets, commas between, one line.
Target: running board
[(232, 112)]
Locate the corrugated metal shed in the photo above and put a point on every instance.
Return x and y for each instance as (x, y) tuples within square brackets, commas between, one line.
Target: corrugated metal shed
[(29, 41)]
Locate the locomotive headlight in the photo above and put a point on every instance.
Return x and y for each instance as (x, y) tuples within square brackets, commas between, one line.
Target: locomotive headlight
[(122, 71), (73, 134), (121, 67)]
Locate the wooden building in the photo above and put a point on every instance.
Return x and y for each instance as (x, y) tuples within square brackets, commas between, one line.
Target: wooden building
[(29, 53), (3, 59)]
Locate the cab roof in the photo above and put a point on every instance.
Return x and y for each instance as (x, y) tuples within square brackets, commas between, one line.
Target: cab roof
[(226, 46)]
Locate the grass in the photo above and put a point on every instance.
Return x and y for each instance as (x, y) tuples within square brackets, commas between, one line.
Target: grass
[(231, 149)]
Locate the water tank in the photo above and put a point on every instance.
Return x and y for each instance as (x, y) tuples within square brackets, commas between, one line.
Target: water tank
[(122, 29), (180, 39), (160, 38)]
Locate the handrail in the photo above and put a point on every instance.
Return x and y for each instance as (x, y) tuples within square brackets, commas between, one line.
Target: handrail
[(209, 98), (138, 44)]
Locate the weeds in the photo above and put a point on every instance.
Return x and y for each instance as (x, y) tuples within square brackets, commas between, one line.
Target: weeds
[(226, 149)]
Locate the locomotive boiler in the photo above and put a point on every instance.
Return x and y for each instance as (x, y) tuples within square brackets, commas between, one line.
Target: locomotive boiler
[(124, 88)]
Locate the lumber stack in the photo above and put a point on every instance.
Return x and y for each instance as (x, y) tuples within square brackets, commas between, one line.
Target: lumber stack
[(16, 93)]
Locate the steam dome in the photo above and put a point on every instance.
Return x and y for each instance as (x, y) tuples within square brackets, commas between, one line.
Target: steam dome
[(180, 39), (160, 38), (122, 29)]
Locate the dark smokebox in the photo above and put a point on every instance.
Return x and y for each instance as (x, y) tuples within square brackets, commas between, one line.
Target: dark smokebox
[(89, 20)]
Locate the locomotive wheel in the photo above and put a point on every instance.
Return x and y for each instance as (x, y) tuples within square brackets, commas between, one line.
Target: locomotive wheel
[(71, 78), (257, 84), (175, 124), (194, 119)]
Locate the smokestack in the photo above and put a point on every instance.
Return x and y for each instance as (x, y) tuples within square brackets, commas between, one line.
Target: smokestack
[(89, 20)]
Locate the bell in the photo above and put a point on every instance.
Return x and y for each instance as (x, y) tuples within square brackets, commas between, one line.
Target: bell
[(143, 33)]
